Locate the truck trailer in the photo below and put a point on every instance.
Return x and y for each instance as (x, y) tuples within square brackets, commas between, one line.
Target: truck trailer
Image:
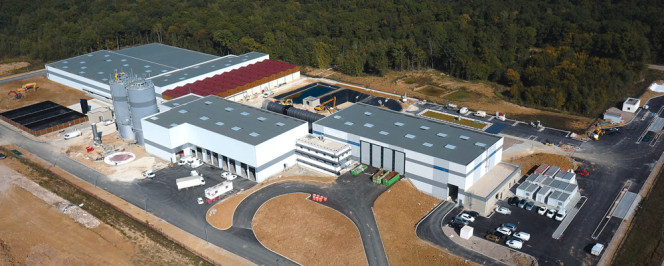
[(190, 181), (213, 193)]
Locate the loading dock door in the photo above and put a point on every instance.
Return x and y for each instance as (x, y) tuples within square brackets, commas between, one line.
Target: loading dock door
[(376, 155), (365, 152), (399, 162), (387, 159)]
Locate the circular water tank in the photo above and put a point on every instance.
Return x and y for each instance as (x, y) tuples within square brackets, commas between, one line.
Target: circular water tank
[(142, 102)]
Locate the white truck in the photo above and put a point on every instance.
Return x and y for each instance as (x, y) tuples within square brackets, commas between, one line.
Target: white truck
[(191, 161), (597, 249), (190, 181), (500, 116), (214, 193)]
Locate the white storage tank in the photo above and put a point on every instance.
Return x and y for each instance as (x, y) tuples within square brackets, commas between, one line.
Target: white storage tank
[(142, 102), (118, 85)]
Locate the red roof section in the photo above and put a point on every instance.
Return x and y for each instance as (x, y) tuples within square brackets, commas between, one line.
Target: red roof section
[(230, 80)]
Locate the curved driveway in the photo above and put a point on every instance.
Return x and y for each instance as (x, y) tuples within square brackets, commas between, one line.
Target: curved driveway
[(352, 196)]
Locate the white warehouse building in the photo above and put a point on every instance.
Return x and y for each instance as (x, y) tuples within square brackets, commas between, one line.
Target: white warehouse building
[(443, 160), (248, 141), (166, 66)]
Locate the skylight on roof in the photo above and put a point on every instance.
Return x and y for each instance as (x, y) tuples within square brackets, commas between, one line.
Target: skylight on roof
[(424, 127), (146, 66), (367, 113), (183, 111), (254, 134), (384, 133), (176, 104), (123, 60), (108, 60), (244, 113), (208, 102), (219, 123), (236, 128), (450, 146), (204, 118), (427, 144), (260, 118), (279, 124), (148, 71), (126, 65), (410, 136), (84, 67), (154, 118), (464, 137), (174, 125), (480, 144), (107, 55), (368, 125), (82, 62), (337, 117), (81, 72), (100, 72), (399, 124), (348, 123), (181, 78), (228, 109)]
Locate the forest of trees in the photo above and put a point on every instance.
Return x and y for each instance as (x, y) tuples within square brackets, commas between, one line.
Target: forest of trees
[(568, 55)]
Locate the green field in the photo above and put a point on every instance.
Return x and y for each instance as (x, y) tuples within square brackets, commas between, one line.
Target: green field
[(453, 119), (644, 244), (460, 95), (431, 91)]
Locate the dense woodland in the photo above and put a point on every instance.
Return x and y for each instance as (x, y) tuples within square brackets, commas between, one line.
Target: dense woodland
[(569, 55)]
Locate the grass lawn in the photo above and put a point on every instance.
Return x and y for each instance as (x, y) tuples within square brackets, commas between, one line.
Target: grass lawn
[(450, 118), (460, 95), (645, 240), (431, 91)]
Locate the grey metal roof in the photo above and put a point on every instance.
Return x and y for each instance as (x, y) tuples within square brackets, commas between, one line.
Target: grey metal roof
[(565, 176), (552, 170), (163, 64), (181, 100), (448, 141), (234, 120), (544, 191), (207, 67)]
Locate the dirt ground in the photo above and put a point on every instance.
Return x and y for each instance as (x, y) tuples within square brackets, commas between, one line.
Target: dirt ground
[(7, 68), (220, 216), (307, 232), (483, 95), (397, 228), (33, 232), (648, 94), (530, 162), (47, 90)]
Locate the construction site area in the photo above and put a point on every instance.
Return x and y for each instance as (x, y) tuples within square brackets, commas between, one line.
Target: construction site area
[(242, 158)]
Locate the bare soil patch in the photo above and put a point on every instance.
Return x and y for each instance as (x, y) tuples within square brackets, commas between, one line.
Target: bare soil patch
[(8, 68), (474, 95), (221, 214), (397, 212), (47, 90), (530, 162), (308, 232)]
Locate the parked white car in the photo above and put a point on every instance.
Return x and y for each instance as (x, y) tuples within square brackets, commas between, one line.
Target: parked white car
[(231, 177), (514, 243), (467, 217), (550, 213), (504, 230), (523, 236), (148, 174), (73, 134), (503, 210), (196, 163), (560, 215), (199, 200), (541, 210), (267, 94), (463, 110), (108, 122)]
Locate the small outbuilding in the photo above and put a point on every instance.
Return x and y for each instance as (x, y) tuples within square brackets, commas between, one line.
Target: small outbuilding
[(466, 232), (613, 117), (631, 105)]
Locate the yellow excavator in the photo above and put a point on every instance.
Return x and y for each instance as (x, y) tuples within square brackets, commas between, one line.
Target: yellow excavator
[(322, 106), (117, 76), (595, 134), (286, 102), (28, 86)]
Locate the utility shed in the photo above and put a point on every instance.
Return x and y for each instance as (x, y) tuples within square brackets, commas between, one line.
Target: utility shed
[(542, 194), (566, 176), (631, 105), (559, 199), (527, 190), (613, 117), (541, 169), (552, 171)]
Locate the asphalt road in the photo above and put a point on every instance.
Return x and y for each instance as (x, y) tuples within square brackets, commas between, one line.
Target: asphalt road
[(351, 195), (24, 76)]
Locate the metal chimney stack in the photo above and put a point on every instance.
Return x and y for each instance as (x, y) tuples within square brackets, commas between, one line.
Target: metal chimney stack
[(95, 136)]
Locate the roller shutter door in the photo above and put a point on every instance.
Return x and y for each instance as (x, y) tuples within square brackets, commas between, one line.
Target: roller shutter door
[(365, 152), (376, 155), (399, 162), (387, 159)]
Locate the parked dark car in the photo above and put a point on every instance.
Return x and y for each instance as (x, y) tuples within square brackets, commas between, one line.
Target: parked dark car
[(522, 203), (513, 201), (2, 156), (472, 213), (530, 205)]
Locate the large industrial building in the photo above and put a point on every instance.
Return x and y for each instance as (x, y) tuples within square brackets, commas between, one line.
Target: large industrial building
[(167, 67), (446, 161), (251, 142)]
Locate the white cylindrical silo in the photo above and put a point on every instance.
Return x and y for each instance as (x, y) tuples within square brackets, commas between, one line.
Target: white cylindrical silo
[(118, 85), (142, 102)]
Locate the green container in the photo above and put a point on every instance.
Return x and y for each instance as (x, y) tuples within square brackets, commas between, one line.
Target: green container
[(359, 169), (378, 176), (391, 180)]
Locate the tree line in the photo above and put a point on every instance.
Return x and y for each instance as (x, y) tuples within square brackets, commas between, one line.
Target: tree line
[(569, 55)]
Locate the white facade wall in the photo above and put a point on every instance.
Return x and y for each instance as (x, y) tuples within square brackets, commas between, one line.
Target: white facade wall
[(258, 90), (279, 145), (275, 168), (77, 85)]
